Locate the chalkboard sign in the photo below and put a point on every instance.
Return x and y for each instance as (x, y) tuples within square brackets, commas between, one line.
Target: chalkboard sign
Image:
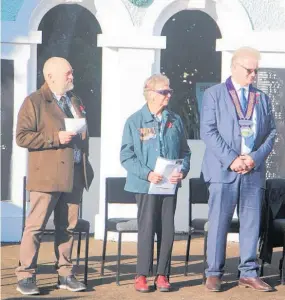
[(272, 82)]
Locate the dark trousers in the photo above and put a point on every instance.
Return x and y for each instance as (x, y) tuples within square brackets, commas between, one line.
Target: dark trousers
[(155, 215), (65, 207), (224, 197)]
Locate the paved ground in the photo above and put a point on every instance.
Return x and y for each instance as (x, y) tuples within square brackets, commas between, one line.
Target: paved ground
[(189, 288)]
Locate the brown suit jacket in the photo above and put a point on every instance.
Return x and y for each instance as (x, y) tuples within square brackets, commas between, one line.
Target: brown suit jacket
[(50, 164)]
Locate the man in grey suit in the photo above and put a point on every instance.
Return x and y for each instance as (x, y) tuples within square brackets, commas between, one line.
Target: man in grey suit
[(238, 128)]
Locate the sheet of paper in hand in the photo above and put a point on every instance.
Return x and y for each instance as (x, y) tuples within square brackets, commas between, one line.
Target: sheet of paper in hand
[(165, 167), (77, 125)]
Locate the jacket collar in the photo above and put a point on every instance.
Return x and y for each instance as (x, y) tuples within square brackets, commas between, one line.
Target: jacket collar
[(77, 104), (48, 96), (46, 92), (147, 115)]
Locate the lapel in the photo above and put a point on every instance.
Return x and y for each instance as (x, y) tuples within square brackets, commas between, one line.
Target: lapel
[(57, 111), (78, 106), (229, 103), (52, 105), (259, 115), (76, 103), (164, 120)]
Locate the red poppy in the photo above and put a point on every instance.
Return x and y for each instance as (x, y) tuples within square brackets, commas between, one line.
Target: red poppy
[(169, 125), (82, 108)]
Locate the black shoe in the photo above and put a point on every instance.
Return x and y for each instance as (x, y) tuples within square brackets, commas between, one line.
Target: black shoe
[(28, 286), (70, 283)]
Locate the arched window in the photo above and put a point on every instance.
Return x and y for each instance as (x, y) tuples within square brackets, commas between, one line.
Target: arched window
[(70, 31), (191, 63)]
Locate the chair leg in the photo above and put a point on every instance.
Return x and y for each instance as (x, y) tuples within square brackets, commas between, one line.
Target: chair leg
[(205, 256), (238, 274), (119, 258), (283, 273), (86, 258), (78, 249), (282, 266), (158, 246), (104, 252), (262, 269), (187, 253)]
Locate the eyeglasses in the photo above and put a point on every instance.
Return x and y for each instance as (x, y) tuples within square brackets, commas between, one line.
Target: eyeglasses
[(249, 71), (164, 92)]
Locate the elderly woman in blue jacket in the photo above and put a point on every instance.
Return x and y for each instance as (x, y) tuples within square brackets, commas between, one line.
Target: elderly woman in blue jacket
[(151, 132)]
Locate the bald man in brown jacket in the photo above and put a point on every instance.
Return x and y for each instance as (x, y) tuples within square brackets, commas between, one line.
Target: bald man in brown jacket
[(58, 171)]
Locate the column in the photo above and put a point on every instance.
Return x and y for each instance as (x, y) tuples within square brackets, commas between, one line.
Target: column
[(127, 62), (19, 155)]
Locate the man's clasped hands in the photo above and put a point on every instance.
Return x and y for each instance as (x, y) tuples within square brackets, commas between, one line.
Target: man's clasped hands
[(242, 164)]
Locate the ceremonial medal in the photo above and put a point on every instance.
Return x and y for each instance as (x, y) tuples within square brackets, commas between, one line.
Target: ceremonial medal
[(244, 118), (245, 123), (245, 128), (246, 131)]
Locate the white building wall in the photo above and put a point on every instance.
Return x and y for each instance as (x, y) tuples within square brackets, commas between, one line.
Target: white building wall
[(131, 52), (266, 15)]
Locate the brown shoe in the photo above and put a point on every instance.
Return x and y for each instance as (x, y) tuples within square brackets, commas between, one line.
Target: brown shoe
[(141, 284), (213, 284), (255, 283)]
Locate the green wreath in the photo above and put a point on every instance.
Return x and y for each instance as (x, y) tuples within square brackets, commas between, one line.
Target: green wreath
[(141, 3)]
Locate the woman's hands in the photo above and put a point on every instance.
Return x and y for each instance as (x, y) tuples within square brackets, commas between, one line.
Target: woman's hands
[(156, 178), (175, 177)]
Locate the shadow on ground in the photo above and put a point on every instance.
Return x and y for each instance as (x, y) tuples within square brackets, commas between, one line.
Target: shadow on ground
[(104, 287)]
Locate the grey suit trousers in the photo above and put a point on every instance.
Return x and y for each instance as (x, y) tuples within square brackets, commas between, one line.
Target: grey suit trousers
[(224, 197)]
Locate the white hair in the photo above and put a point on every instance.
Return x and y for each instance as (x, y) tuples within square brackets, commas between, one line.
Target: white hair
[(245, 52), (152, 81)]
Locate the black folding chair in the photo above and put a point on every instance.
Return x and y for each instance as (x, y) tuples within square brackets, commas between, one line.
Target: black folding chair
[(82, 227), (273, 224), (115, 194), (199, 194)]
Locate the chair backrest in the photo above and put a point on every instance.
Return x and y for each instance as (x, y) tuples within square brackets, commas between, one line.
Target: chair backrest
[(115, 192), (198, 191), (275, 197), (198, 194), (275, 183), (272, 208)]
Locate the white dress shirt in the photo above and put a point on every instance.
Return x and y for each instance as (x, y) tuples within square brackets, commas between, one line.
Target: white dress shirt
[(238, 87)]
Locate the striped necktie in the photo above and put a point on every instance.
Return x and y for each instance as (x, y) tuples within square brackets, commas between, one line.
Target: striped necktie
[(65, 107)]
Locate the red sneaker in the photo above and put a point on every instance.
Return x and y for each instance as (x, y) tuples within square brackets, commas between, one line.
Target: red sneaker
[(162, 283), (141, 284)]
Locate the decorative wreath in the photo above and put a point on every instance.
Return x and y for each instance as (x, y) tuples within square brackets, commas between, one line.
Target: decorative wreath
[(141, 3)]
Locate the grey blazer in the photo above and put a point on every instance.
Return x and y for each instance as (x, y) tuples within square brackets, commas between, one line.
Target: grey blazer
[(220, 131)]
